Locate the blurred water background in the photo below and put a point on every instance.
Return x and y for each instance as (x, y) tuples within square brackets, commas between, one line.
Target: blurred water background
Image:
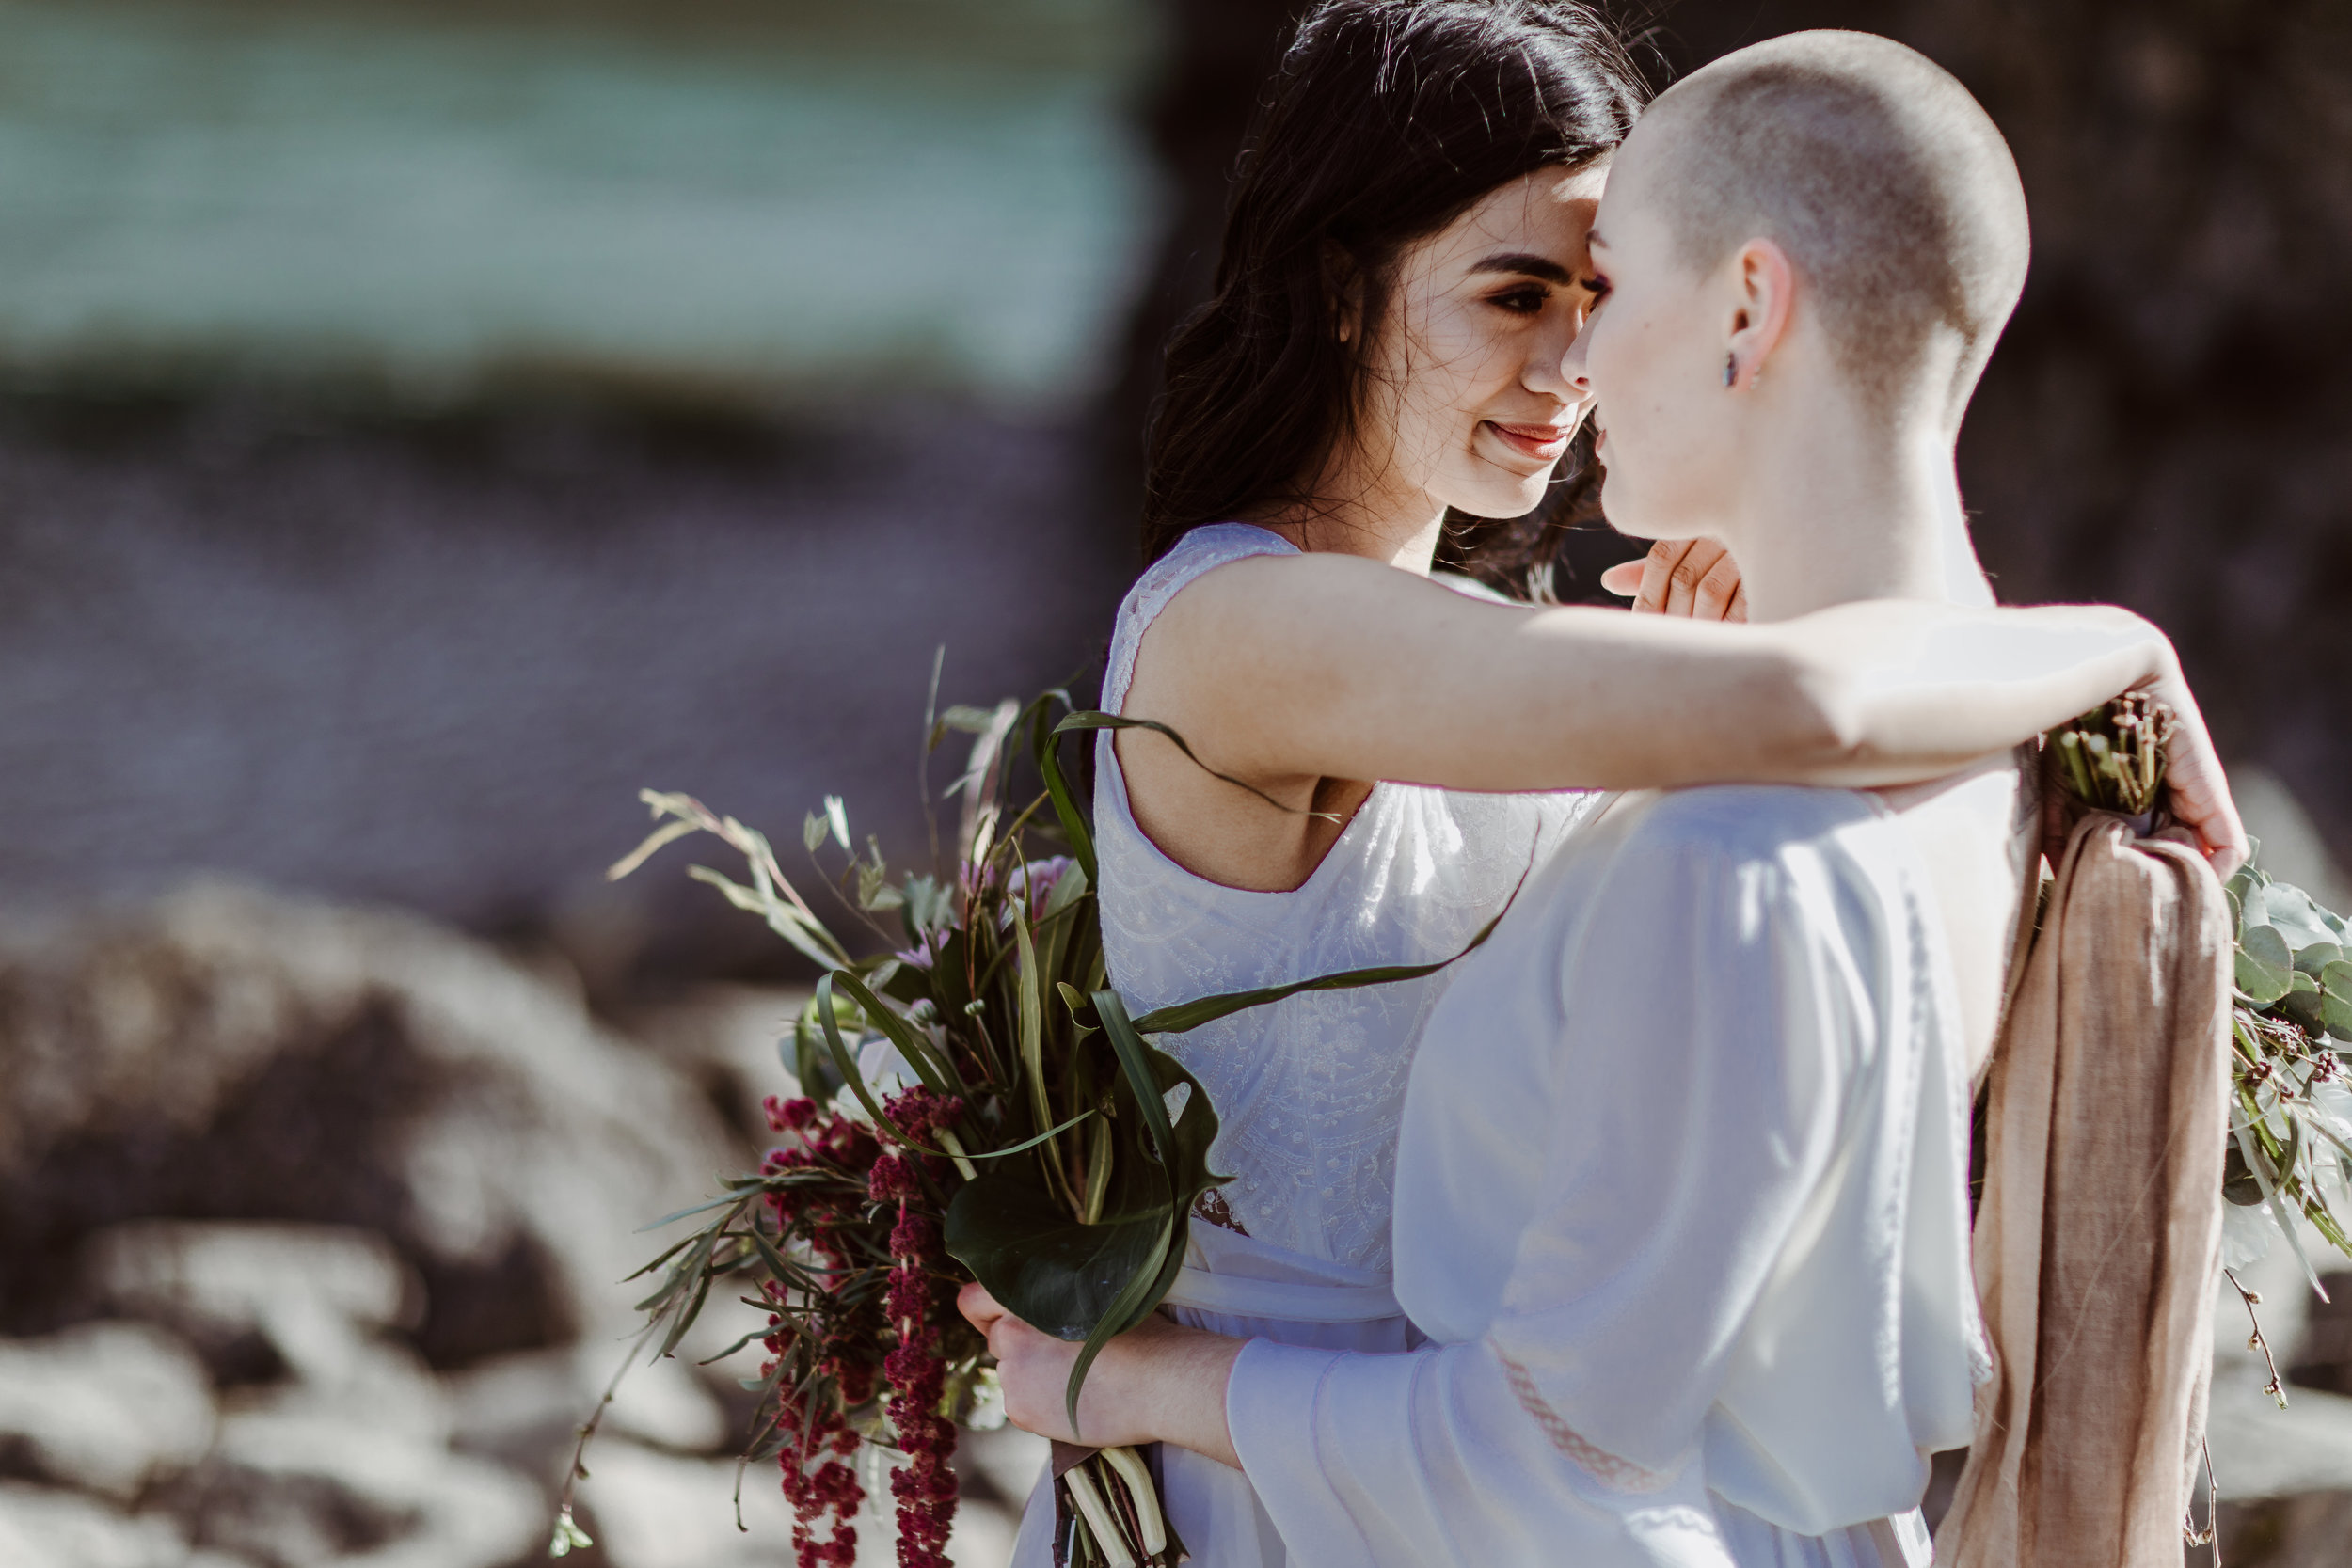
[(425, 423)]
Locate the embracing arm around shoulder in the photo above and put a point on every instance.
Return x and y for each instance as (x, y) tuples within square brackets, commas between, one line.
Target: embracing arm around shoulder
[(1282, 668)]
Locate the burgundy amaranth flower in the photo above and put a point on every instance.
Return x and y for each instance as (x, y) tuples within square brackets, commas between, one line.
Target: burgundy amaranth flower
[(917, 1374), (893, 1180), (790, 1115)]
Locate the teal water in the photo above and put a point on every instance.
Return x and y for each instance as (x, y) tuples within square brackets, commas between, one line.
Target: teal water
[(918, 197)]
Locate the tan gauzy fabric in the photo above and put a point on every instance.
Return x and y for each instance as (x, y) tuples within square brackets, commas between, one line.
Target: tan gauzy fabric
[(2099, 1237)]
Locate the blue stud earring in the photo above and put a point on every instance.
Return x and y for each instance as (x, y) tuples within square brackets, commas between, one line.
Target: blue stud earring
[(1731, 369)]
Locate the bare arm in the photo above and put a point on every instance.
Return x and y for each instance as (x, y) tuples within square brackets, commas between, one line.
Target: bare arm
[(1289, 669)]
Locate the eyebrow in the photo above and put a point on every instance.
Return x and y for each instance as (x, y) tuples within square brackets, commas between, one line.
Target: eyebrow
[(1592, 239), (1527, 266)]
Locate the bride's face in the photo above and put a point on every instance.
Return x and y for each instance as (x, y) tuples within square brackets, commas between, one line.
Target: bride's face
[(1469, 405)]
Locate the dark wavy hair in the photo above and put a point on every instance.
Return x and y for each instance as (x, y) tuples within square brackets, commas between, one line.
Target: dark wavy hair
[(1387, 120)]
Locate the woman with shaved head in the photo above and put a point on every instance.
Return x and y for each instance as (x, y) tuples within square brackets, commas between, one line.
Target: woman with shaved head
[(1388, 359)]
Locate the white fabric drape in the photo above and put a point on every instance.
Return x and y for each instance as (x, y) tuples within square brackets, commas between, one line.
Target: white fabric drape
[(1682, 1204)]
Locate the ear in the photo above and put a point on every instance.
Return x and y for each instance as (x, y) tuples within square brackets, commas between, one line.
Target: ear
[(1343, 286), (1764, 294)]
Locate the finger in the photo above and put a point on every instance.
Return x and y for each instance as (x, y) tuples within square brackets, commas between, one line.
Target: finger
[(1658, 574), (2198, 788), (978, 1308), (1624, 579), (1739, 610), (1717, 587), (1683, 595)]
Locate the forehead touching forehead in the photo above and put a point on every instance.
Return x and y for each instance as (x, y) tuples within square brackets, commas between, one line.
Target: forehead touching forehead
[(1886, 184)]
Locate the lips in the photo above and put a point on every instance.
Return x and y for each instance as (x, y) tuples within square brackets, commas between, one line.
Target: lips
[(1543, 442)]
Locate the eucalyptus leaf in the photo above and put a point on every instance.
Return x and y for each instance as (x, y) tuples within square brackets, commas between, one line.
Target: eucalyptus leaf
[(2265, 966), (2291, 911), (2318, 957)]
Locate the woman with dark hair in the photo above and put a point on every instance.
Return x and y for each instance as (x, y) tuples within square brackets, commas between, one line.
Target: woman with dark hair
[(1381, 366)]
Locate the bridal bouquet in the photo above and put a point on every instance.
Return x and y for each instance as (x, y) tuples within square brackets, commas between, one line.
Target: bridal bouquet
[(2291, 1126), (974, 1102)]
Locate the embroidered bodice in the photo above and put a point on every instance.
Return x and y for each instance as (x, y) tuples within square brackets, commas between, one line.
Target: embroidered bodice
[(1308, 1091)]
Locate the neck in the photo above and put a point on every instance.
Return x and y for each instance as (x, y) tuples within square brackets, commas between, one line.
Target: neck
[(1397, 526), (1833, 509)]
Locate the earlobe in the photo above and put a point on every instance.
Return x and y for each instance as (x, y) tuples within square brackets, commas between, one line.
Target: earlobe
[(1767, 279), (1345, 287)]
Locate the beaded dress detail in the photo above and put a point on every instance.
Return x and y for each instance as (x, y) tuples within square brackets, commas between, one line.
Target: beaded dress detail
[(1308, 1091)]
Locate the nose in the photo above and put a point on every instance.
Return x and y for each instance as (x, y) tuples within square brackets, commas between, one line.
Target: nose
[(1547, 360), (1574, 369)]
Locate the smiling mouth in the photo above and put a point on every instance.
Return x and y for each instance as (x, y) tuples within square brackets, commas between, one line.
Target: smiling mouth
[(1543, 442)]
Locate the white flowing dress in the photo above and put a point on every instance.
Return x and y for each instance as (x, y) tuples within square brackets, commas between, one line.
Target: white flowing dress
[(1682, 1208), (1308, 1092)]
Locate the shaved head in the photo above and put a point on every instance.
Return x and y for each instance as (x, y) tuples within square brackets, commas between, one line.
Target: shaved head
[(1887, 185)]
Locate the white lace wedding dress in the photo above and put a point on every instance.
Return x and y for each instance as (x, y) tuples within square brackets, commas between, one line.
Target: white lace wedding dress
[(1308, 1091)]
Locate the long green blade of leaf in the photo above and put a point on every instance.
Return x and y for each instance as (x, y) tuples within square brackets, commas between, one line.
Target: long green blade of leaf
[(1128, 1043), (1127, 1310), (1085, 719), (1046, 743), (844, 1062), (1182, 1015), (1028, 1144), (1031, 1002), (929, 1064)]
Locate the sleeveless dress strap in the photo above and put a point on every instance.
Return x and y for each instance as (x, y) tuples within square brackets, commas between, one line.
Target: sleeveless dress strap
[(1202, 549)]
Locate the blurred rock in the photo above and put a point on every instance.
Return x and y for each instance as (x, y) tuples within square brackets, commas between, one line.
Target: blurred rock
[(315, 1223), (223, 1052), (2309, 1531), (104, 1404), (42, 1529)]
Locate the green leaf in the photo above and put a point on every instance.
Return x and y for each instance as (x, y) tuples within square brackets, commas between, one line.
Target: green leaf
[(2335, 1009), (2266, 965), (837, 818), (1150, 1095), (1028, 1144), (808, 938), (1046, 746), (668, 833), (697, 1209), (1093, 1282), (1177, 1019), (811, 1066), (2319, 956), (845, 1064), (924, 1058), (1149, 1284), (1029, 1006), (2297, 918), (1054, 1273), (1088, 720), (971, 720)]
